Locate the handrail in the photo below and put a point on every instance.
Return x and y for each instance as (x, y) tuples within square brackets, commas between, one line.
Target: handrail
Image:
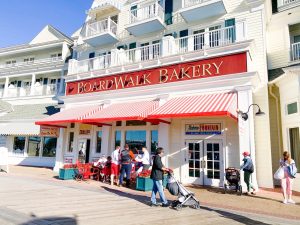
[(99, 27), (188, 3), (31, 63), (146, 12)]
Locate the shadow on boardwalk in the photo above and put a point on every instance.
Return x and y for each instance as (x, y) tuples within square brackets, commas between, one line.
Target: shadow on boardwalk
[(51, 220)]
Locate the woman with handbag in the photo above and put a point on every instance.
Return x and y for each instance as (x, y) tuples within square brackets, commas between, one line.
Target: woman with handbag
[(287, 181)]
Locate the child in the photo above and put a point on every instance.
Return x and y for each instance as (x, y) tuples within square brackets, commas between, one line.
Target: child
[(248, 169)]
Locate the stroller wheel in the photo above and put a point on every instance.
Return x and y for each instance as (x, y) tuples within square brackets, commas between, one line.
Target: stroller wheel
[(225, 188), (178, 207), (240, 192), (196, 206)]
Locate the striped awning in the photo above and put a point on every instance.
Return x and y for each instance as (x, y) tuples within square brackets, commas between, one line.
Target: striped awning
[(19, 129), (71, 115), (219, 104), (124, 111)]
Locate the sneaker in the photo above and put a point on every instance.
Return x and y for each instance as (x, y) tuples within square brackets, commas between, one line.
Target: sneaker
[(253, 192), (291, 201), (284, 201), (154, 204), (165, 205)]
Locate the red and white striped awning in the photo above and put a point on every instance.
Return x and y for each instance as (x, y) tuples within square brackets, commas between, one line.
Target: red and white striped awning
[(219, 104), (71, 115), (124, 111)]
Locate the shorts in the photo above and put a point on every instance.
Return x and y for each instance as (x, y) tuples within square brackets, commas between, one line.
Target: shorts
[(115, 169)]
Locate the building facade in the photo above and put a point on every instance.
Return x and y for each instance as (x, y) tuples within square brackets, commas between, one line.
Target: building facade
[(284, 80), (170, 73), (32, 79)]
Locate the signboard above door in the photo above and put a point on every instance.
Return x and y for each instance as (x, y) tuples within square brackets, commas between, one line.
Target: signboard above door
[(203, 129)]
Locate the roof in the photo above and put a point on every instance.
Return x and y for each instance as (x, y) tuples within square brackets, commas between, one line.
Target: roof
[(19, 129), (30, 112), (276, 73)]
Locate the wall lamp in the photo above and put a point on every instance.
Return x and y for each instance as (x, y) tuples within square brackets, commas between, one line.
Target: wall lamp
[(245, 116)]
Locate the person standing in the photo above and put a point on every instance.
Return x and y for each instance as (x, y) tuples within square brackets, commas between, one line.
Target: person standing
[(126, 157), (145, 159), (287, 181), (248, 169), (115, 165), (157, 176)]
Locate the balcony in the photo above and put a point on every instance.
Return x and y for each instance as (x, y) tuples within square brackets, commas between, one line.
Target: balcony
[(105, 7), (32, 66), (100, 33), (169, 50), (295, 52), (146, 19), (193, 10), (287, 4), (14, 92)]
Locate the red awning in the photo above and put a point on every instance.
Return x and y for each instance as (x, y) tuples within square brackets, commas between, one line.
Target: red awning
[(72, 115), (221, 104), (124, 111)]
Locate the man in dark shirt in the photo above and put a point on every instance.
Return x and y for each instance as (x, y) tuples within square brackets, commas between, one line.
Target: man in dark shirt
[(157, 174)]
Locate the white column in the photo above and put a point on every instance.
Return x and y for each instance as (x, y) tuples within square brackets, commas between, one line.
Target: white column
[(59, 159), (163, 141), (114, 57), (105, 145), (5, 94), (246, 131), (32, 89), (168, 46)]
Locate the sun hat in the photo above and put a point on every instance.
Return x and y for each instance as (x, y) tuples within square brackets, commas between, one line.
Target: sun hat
[(246, 153)]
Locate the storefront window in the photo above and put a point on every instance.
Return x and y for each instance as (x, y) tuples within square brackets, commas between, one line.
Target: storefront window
[(19, 145), (135, 123), (154, 141), (71, 142), (34, 144), (99, 141), (118, 138), (49, 147), (136, 139)]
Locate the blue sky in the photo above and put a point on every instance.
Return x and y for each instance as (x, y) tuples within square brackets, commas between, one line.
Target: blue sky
[(22, 20)]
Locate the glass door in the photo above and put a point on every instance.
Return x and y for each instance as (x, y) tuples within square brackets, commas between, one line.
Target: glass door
[(195, 155), (212, 162)]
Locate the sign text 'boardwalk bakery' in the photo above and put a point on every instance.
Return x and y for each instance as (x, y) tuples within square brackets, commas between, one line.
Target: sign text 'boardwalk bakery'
[(179, 72)]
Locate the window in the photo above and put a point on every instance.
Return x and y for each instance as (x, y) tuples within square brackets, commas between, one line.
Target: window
[(19, 144), (135, 123), (99, 142), (214, 36), (72, 125), (295, 145), (117, 138), (154, 141), (119, 123), (29, 60), (71, 142), (49, 146), (34, 144), (136, 139), (292, 108), (11, 62), (55, 56)]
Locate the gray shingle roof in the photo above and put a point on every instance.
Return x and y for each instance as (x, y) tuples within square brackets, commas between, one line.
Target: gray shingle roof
[(30, 112)]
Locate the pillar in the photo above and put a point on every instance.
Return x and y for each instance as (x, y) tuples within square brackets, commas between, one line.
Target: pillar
[(32, 89), (105, 145), (168, 46), (5, 94), (163, 141), (60, 90), (59, 158)]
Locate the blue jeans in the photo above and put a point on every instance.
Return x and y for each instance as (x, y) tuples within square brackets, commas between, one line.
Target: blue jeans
[(158, 187), (125, 168)]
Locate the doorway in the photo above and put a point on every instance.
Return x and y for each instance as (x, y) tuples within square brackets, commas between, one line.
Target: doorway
[(84, 150), (205, 164)]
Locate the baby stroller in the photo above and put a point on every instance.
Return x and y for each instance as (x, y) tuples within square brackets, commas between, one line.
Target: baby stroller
[(185, 197), (232, 180)]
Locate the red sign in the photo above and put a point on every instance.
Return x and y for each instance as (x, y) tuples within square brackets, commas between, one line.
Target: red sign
[(49, 131), (179, 72)]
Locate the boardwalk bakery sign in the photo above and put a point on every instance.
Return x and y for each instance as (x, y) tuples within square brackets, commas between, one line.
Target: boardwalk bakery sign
[(203, 129), (219, 66)]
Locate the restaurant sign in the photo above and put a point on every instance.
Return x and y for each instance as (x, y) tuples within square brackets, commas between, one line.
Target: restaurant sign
[(203, 129), (219, 66), (49, 131)]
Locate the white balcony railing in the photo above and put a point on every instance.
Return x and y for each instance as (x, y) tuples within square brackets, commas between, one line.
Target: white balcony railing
[(167, 47), (147, 12), (100, 27), (13, 92), (296, 51), (211, 39), (31, 63), (282, 3), (188, 3)]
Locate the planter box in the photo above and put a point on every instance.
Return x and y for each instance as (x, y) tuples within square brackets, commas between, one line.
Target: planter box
[(67, 174), (146, 183)]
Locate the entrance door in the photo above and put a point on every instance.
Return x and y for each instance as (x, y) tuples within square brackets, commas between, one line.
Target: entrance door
[(195, 155), (212, 162), (205, 162), (84, 150)]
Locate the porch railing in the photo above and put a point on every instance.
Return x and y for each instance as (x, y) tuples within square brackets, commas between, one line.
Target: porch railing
[(31, 63), (188, 3), (211, 39), (144, 53), (100, 27), (296, 51), (281, 3), (147, 12)]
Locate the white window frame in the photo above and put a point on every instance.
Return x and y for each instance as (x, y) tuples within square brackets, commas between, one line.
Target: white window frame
[(286, 107)]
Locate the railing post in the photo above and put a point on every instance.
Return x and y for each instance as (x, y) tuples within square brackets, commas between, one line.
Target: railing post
[(5, 94), (114, 57), (108, 24), (190, 44), (32, 89), (168, 46), (137, 55)]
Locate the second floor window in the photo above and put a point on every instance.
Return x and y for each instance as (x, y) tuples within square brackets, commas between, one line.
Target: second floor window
[(11, 62), (29, 60)]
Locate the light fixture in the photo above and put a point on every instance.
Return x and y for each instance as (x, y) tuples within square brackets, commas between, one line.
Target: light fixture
[(245, 116)]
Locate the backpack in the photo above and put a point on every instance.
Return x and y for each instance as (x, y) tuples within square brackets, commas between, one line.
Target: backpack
[(251, 168), (125, 157), (292, 170)]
